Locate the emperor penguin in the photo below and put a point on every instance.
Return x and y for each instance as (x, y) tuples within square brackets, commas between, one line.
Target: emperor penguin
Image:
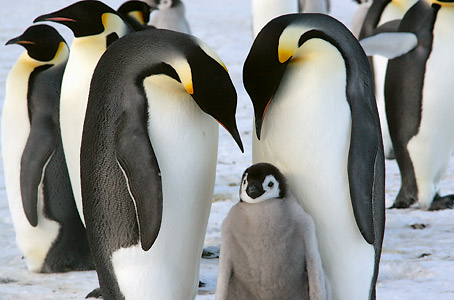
[(49, 232), (148, 161), (379, 13), (268, 244), (95, 26), (264, 11), (418, 93), (316, 120), (169, 15), (136, 13)]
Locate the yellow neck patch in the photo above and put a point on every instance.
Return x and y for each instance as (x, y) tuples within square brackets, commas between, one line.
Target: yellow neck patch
[(441, 3)]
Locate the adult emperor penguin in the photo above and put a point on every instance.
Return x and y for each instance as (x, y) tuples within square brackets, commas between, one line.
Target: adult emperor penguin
[(281, 260), (49, 232), (317, 121), (136, 13), (264, 11), (418, 93), (381, 12), (170, 15), (95, 26), (148, 161)]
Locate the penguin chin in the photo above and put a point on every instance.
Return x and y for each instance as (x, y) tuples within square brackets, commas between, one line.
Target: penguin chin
[(245, 198)]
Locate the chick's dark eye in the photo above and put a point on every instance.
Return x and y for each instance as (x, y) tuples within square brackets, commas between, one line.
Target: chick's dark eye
[(244, 181), (270, 184)]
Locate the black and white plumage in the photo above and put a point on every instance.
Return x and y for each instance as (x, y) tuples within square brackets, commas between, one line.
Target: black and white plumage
[(49, 232), (316, 120), (148, 161), (95, 26), (418, 98), (383, 12), (269, 248), (136, 13), (171, 14)]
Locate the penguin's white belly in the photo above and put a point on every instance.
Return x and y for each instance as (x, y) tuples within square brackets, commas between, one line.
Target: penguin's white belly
[(73, 105), (430, 149), (306, 134), (33, 242), (185, 142)]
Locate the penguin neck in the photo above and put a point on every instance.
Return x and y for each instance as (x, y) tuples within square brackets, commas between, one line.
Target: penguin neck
[(395, 10)]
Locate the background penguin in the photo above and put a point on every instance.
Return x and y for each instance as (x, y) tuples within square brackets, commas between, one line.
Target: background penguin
[(264, 11), (381, 12), (281, 258), (49, 232), (418, 93), (170, 15), (136, 13), (95, 26), (317, 121), (151, 118)]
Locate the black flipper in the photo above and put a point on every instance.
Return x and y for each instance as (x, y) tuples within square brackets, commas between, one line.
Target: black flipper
[(138, 161), (38, 151)]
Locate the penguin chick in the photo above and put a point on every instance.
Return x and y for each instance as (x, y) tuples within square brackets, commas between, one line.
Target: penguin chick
[(170, 15), (136, 13), (269, 248)]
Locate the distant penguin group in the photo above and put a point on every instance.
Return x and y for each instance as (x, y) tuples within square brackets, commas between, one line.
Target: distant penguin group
[(110, 146)]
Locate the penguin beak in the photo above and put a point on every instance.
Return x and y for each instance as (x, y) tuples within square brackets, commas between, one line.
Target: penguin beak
[(19, 41), (253, 191), (52, 18), (235, 134)]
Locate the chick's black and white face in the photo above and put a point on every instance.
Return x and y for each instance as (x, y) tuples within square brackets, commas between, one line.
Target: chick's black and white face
[(256, 190)]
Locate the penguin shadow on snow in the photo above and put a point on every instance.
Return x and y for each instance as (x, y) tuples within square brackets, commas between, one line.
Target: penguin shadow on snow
[(268, 244)]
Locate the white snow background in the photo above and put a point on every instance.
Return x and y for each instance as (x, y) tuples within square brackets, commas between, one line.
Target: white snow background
[(416, 263)]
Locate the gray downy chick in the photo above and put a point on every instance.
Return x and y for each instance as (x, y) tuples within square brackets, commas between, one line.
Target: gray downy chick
[(269, 247)]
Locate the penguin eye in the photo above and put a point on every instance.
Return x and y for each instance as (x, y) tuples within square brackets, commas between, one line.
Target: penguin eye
[(270, 184), (244, 181)]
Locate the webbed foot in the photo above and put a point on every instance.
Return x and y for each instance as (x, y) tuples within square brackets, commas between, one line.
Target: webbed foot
[(440, 203), (96, 293)]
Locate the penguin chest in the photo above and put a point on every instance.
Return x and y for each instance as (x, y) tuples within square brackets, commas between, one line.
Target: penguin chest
[(82, 61), (306, 129), (33, 242), (184, 140), (430, 149), (306, 134), (437, 101)]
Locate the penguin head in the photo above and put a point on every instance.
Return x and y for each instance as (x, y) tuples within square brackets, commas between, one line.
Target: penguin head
[(204, 76), (43, 43), (136, 13), (165, 4), (281, 43), (261, 182), (88, 18)]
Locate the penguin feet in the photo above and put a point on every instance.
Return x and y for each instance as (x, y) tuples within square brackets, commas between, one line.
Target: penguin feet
[(389, 154), (402, 202), (211, 252), (440, 203), (96, 293)]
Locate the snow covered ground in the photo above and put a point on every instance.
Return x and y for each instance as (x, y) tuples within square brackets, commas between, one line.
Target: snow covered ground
[(417, 261)]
